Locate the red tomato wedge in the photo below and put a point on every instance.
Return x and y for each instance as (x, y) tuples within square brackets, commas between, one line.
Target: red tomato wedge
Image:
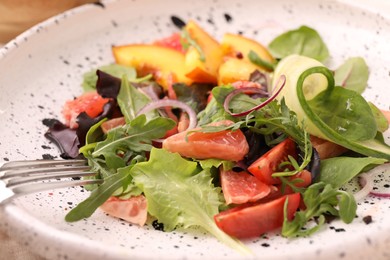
[(241, 187), (266, 165), (224, 145), (133, 210), (91, 103), (255, 220), (173, 41)]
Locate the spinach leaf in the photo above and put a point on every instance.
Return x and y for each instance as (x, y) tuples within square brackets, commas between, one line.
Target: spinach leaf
[(303, 41), (131, 100), (346, 112), (116, 70), (340, 170), (353, 74), (381, 121)]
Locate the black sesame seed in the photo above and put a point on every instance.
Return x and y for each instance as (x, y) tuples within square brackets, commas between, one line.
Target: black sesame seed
[(228, 17), (158, 226), (47, 156), (367, 219), (179, 23)]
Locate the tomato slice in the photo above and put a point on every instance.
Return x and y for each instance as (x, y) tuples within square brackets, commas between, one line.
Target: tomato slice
[(133, 210), (224, 145), (255, 220), (241, 187), (91, 103), (266, 165)]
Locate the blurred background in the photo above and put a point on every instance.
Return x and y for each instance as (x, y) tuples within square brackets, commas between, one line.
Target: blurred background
[(16, 16)]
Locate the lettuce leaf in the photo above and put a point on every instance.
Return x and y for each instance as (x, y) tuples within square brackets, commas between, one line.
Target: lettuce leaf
[(179, 193)]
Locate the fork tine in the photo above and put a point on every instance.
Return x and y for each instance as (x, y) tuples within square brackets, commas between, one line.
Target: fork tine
[(51, 175), (42, 186), (14, 165), (19, 172), (24, 177)]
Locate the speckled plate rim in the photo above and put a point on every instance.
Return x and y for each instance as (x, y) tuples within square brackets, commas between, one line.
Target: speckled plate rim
[(40, 231)]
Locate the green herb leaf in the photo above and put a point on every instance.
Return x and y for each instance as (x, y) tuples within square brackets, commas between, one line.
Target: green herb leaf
[(303, 41), (90, 78), (131, 100), (99, 195), (134, 137), (255, 59), (347, 207), (353, 74), (195, 96), (188, 41), (338, 171), (320, 199)]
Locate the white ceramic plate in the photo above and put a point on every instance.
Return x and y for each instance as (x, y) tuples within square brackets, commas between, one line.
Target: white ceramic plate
[(43, 67)]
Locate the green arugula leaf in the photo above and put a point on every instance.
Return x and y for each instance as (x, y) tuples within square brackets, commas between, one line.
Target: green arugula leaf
[(99, 195), (179, 194), (338, 171), (353, 74), (131, 100), (212, 112), (116, 70), (135, 137), (303, 41), (95, 133), (320, 199)]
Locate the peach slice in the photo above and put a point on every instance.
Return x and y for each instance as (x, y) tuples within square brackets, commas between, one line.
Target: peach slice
[(234, 69), (233, 44), (166, 64), (198, 68)]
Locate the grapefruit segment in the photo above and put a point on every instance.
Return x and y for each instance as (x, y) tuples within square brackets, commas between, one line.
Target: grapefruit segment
[(225, 145), (241, 187), (133, 210)]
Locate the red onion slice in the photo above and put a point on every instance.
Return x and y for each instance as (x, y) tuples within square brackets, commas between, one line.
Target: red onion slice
[(369, 177), (281, 82), (380, 195), (172, 103)]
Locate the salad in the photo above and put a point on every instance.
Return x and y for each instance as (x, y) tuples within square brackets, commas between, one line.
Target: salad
[(230, 136)]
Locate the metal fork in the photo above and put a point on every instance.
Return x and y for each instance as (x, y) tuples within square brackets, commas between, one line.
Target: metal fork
[(19, 178)]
